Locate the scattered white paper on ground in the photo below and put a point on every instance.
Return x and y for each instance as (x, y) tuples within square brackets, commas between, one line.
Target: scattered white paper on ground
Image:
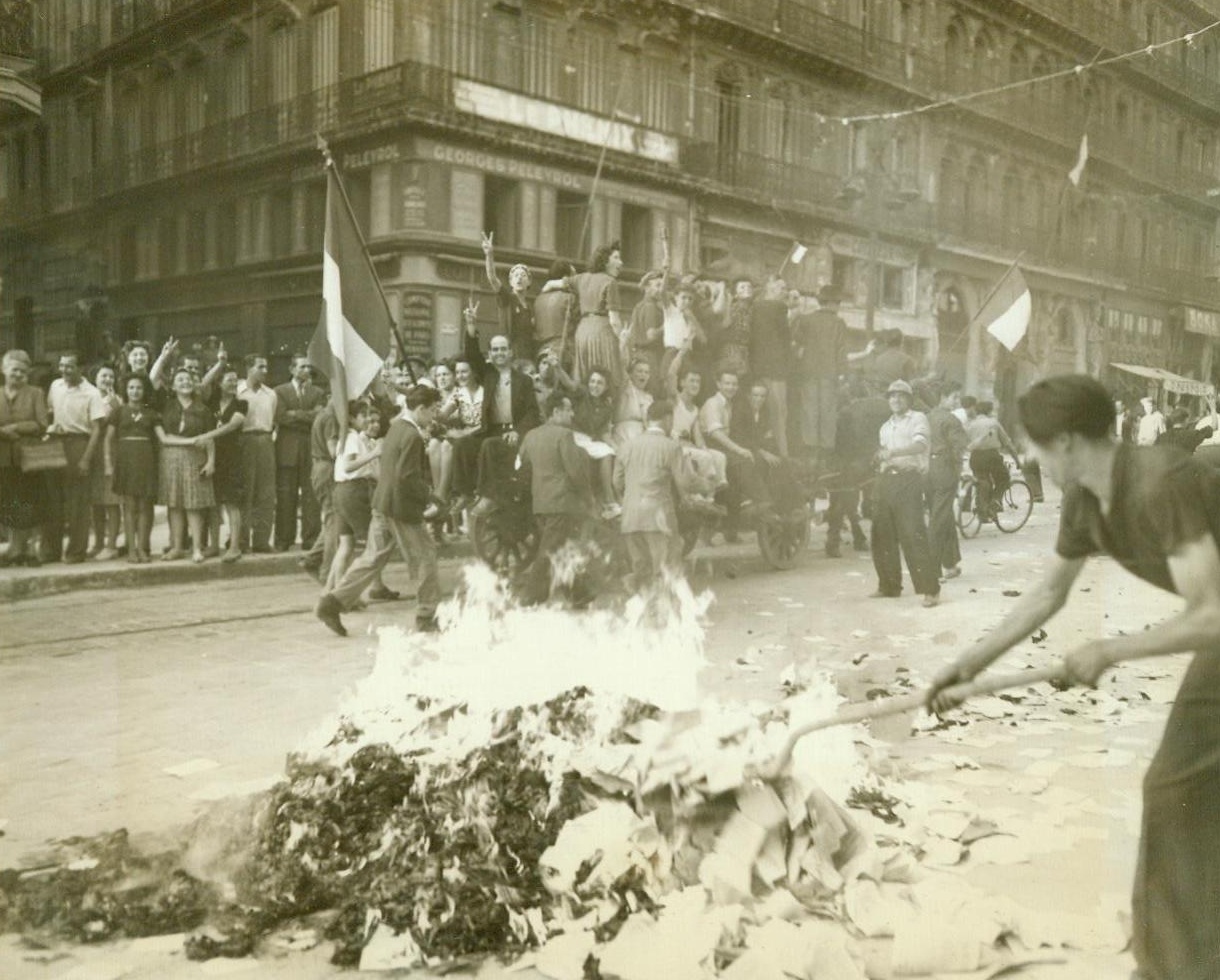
[(191, 768), (222, 966), (172, 943)]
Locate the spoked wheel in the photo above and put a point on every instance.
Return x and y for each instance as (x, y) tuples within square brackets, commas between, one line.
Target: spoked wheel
[(506, 545), (782, 539), (966, 507), (1016, 503)]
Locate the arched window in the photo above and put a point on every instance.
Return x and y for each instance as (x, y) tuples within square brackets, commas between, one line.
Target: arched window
[(984, 54), (949, 193), (1018, 63), (974, 203), (728, 118), (1012, 205), (1065, 329), (1043, 92), (956, 51), (1035, 202), (1122, 115)]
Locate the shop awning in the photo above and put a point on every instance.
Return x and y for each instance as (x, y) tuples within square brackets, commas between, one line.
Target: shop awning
[(1169, 380)]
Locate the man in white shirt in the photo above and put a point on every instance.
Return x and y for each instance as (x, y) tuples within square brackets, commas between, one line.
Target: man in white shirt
[(899, 523), (258, 454), (1151, 425), (716, 421), (78, 414)]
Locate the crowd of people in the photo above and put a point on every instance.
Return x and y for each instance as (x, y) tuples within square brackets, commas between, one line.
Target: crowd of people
[(737, 379), (84, 463)]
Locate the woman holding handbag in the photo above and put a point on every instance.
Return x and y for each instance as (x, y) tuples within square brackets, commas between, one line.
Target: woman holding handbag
[(23, 418)]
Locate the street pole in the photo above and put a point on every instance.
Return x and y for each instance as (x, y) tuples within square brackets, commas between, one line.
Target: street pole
[(874, 234), (870, 300)]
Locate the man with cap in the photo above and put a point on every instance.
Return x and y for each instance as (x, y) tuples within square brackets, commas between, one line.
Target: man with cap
[(898, 512)]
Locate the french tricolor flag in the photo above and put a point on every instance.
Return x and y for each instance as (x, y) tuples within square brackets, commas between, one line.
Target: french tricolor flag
[(1005, 313), (352, 340)]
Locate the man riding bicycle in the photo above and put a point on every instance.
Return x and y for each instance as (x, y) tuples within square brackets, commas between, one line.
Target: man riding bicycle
[(986, 438)]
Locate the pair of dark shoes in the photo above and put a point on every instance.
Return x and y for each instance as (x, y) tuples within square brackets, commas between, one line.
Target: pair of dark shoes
[(330, 612)]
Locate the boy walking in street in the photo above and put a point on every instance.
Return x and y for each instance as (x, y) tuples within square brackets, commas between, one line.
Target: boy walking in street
[(401, 503)]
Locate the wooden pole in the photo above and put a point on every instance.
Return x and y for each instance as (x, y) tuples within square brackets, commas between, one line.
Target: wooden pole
[(324, 148), (885, 707)]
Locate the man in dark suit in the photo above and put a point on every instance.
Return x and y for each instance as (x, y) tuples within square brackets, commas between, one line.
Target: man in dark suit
[(297, 404), (402, 502), (510, 408), (648, 476), (768, 476), (561, 492)]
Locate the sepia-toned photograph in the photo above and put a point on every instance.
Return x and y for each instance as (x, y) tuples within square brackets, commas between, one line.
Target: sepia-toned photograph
[(610, 489)]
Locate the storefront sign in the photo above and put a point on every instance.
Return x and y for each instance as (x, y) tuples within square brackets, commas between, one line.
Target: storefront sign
[(501, 166), (862, 248), (414, 207), (1206, 322), (548, 117), (416, 322), (368, 158)]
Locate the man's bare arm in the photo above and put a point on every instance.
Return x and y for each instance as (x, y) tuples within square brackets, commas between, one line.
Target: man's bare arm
[(1195, 568), (1034, 609)]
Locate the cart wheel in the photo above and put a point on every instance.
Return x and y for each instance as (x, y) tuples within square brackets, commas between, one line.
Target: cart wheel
[(782, 539), (507, 546)]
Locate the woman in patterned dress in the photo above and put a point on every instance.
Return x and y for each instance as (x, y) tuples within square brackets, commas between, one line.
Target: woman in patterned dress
[(597, 334), (186, 466)]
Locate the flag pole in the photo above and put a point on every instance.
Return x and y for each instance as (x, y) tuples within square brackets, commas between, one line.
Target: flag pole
[(994, 289), (330, 164)]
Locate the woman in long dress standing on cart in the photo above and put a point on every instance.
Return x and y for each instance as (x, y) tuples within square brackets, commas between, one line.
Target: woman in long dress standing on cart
[(597, 333)]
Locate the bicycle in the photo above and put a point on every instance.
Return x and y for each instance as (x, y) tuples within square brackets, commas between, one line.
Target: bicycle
[(1009, 513)]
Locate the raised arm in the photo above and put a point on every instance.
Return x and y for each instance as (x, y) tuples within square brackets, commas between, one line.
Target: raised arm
[(156, 374), (489, 260), (214, 372)]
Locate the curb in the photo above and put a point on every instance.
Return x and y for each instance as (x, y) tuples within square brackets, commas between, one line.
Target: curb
[(57, 579)]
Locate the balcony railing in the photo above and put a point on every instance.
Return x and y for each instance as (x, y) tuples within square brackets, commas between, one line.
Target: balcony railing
[(923, 71), (1097, 21), (355, 102)]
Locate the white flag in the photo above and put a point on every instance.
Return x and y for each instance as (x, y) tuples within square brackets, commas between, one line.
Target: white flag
[(799, 251), (1082, 158)]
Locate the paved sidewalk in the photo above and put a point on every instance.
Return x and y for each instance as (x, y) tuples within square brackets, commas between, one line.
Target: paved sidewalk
[(56, 577)]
